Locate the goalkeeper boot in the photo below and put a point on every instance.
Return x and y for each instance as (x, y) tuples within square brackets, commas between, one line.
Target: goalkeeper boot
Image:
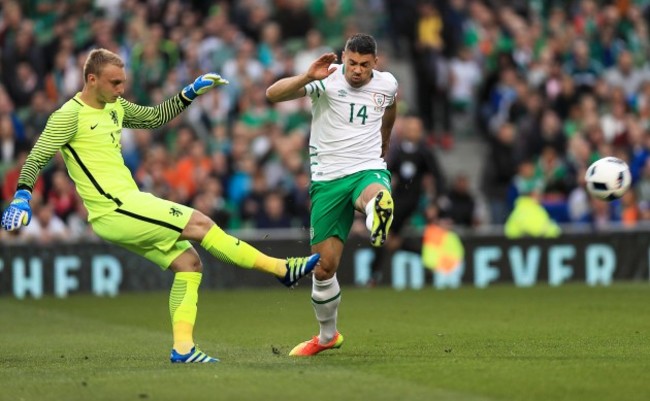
[(382, 218), (298, 268), (194, 356), (313, 347)]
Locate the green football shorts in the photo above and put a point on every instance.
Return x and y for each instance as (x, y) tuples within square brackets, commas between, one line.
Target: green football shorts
[(332, 203), (148, 226)]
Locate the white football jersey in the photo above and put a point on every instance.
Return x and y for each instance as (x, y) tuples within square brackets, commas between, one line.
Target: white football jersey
[(346, 121)]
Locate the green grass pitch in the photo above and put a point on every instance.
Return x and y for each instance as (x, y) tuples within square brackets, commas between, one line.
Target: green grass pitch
[(502, 343)]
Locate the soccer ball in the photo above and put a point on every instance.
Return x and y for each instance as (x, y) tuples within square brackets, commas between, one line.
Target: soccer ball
[(608, 178)]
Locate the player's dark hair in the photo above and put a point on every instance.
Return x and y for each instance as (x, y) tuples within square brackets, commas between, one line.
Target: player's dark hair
[(97, 59), (362, 43)]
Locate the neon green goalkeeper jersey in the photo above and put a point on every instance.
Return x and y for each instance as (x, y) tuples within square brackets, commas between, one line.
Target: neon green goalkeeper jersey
[(89, 140)]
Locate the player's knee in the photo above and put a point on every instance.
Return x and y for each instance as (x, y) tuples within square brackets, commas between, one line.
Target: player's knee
[(195, 264), (189, 262), (325, 269), (198, 226), (201, 221)]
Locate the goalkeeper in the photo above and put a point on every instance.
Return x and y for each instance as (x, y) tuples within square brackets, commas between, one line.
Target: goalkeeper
[(86, 130)]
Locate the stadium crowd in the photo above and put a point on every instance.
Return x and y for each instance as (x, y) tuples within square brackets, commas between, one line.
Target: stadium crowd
[(551, 86)]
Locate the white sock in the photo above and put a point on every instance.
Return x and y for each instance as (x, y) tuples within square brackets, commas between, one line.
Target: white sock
[(370, 206), (326, 297)]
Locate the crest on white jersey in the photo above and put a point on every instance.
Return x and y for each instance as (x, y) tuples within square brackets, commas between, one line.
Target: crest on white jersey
[(379, 99)]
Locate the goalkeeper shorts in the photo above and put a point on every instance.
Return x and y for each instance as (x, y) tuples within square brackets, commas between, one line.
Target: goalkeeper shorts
[(148, 226)]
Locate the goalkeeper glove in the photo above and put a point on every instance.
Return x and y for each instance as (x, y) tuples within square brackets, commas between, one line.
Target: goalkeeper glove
[(19, 213), (203, 84)]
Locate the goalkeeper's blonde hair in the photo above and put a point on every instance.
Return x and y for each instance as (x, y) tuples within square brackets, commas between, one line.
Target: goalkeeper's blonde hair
[(97, 59)]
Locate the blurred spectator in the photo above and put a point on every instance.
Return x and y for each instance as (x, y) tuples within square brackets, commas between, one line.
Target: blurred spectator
[(614, 122), (604, 213), (251, 18), (578, 203), (313, 49), (552, 171), (294, 19), (566, 97), (630, 212), (270, 49), (240, 182), (10, 177), (332, 17), (10, 145), (582, 68), (501, 98), (253, 204), (625, 76), (12, 17), (401, 18), (411, 164), (431, 72), (191, 170), (63, 196), (46, 227), (299, 202), (23, 66), (211, 202), (442, 249), (256, 110), (149, 68), (528, 180), (639, 153), (243, 71), (64, 80), (273, 213), (465, 76), (500, 168), (36, 115), (528, 218), (557, 182), (78, 227), (219, 44), (154, 172), (549, 133), (642, 185), (219, 141), (461, 208)]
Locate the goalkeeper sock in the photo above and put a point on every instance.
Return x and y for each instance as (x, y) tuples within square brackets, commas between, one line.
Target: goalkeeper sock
[(232, 250), (183, 299), (326, 297)]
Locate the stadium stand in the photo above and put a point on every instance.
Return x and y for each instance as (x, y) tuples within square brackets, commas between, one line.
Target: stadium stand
[(515, 82)]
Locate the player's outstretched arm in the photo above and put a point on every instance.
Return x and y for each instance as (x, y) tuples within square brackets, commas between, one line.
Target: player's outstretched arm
[(294, 87), (148, 117), (19, 212)]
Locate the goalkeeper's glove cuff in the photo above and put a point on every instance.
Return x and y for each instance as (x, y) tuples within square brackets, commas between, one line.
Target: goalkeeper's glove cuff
[(188, 94), (22, 194)]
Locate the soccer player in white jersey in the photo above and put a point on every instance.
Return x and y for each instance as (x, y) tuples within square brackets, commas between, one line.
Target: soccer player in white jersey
[(353, 110)]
